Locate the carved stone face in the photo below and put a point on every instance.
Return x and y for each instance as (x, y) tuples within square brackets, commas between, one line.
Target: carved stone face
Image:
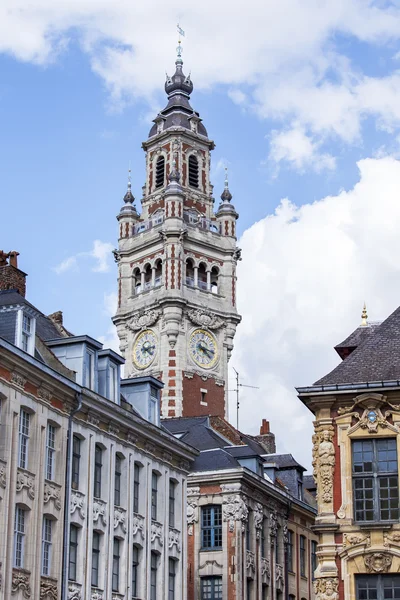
[(329, 587), (325, 436)]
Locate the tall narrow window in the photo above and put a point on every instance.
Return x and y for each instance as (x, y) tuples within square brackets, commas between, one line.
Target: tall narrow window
[(46, 545), (23, 440), (375, 480), (160, 171), (290, 551), (136, 488), (211, 588), (115, 570), (303, 565), (19, 537), (249, 588), (314, 558), (154, 494), (117, 481), (172, 486), (193, 171), (73, 552), (248, 532), (50, 451), (76, 461), (153, 576), (95, 559), (171, 578), (98, 464), (262, 540), (26, 332), (135, 572), (90, 369), (378, 587), (211, 527)]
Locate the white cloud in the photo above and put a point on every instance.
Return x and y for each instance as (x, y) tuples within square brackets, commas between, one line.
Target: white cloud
[(284, 68), (299, 150), (101, 253), (305, 274)]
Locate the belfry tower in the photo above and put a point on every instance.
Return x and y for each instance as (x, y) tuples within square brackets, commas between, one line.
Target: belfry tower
[(177, 316)]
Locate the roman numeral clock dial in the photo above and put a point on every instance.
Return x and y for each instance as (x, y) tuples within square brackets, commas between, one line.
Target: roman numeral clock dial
[(203, 348), (144, 349)]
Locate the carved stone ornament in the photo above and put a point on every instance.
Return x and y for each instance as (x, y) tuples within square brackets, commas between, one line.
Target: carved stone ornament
[(96, 595), (394, 538), (25, 481), (44, 394), (355, 539), (174, 539), (51, 492), (156, 533), (326, 589), (273, 525), (285, 533), (378, 562), (258, 517), (279, 577), (3, 476), (250, 564), (93, 419), (341, 513), (131, 437), (20, 582), (100, 511), (138, 526), (323, 461), (191, 515), (369, 414), (18, 380), (205, 318), (143, 319), (77, 503), (74, 593), (113, 428), (265, 569), (120, 518), (234, 509), (48, 589)]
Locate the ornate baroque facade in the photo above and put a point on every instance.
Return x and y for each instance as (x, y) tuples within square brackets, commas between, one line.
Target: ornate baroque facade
[(177, 316)]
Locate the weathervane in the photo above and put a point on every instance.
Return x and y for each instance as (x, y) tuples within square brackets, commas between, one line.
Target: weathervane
[(181, 33)]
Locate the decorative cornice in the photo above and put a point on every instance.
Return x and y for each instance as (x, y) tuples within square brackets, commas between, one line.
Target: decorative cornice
[(77, 503), (21, 583)]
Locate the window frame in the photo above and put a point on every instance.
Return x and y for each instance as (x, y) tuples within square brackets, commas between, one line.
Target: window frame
[(135, 571), (23, 438), (214, 528), (76, 462), (95, 570), (193, 172), (154, 495), (98, 467), (214, 593), (50, 451), (314, 558), (19, 537), (136, 487), (380, 579), (153, 575), (115, 577), (158, 183), (172, 502), (73, 551), (302, 555), (289, 551), (171, 578), (117, 480), (47, 534), (26, 332)]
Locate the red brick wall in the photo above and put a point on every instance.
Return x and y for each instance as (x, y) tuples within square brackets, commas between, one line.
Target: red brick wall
[(192, 396), (12, 278)]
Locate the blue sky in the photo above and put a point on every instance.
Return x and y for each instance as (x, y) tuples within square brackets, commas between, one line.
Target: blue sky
[(295, 96)]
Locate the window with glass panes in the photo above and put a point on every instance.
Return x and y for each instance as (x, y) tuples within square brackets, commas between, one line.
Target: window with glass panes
[(153, 576), (262, 540), (117, 480), (115, 567), (171, 578), (314, 558), (154, 493), (50, 451), (76, 461), (302, 556), (73, 552), (136, 487), (248, 531), (135, 571), (172, 486), (23, 439), (289, 550), (98, 464), (46, 545), (26, 332), (211, 527), (211, 588), (249, 587), (95, 558), (19, 537), (375, 480), (378, 587)]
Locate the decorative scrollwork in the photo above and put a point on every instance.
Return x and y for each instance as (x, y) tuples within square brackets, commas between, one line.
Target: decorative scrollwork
[(20, 582), (26, 481), (326, 589), (51, 492), (205, 318), (323, 461), (234, 509), (378, 562), (143, 319)]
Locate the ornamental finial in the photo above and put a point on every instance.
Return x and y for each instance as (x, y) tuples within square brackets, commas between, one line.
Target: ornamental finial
[(226, 196), (364, 316), (129, 197), (179, 49)]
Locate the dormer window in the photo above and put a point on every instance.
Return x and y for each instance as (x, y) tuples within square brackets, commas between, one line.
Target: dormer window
[(26, 332), (26, 325), (160, 171), (193, 171)]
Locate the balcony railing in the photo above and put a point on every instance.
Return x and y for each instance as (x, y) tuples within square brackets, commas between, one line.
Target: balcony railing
[(146, 225), (201, 222)]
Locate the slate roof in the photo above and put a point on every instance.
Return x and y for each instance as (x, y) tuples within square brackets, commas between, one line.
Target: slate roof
[(309, 483), (377, 358), (214, 460), (284, 461), (357, 337)]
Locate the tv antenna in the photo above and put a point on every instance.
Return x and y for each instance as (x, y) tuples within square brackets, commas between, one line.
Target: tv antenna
[(238, 386)]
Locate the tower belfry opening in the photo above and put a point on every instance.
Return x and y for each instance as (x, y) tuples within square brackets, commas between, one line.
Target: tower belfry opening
[(177, 316)]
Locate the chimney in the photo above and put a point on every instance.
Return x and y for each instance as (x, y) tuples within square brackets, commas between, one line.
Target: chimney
[(11, 278), (266, 438)]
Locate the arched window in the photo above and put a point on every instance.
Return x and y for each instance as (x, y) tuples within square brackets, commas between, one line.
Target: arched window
[(136, 283), (158, 273), (190, 272), (193, 171), (214, 280), (160, 171), (147, 277), (202, 277)]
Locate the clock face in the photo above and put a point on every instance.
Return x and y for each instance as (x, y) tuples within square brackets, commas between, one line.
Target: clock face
[(203, 348), (144, 349)]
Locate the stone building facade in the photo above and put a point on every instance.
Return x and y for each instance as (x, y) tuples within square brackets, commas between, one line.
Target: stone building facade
[(176, 316), (355, 459), (92, 489)]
